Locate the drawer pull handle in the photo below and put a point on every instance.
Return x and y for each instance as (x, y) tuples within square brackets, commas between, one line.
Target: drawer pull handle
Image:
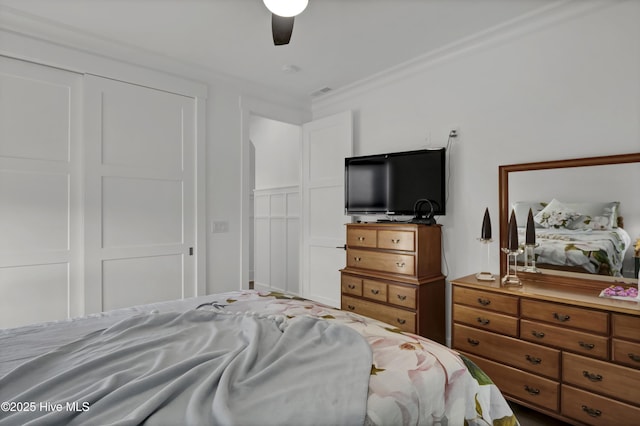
[(400, 264), (587, 346), (561, 317), (537, 334), (484, 302), (357, 259), (533, 360), (401, 321), (395, 240), (351, 286), (473, 342), (483, 321), (375, 291), (360, 238), (531, 391), (634, 357), (402, 297), (351, 307), (592, 377), (591, 411)]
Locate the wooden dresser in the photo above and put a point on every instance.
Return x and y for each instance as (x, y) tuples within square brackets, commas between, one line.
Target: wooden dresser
[(562, 351), (394, 274)]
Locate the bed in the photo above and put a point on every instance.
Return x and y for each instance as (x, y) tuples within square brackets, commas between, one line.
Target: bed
[(576, 237), (238, 358)]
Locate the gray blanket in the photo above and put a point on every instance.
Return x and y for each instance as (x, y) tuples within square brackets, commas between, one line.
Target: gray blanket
[(197, 368)]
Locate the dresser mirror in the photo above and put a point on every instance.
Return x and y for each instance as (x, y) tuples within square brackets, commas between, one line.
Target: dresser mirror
[(586, 211)]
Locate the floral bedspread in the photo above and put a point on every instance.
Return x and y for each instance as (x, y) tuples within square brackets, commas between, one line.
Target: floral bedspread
[(414, 381), (596, 251)]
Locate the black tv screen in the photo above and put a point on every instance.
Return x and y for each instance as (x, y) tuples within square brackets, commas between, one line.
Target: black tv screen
[(390, 184)]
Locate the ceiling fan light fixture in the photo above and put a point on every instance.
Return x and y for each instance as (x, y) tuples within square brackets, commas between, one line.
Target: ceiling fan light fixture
[(286, 8)]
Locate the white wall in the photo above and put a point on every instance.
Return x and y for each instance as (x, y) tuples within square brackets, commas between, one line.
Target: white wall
[(561, 85), (277, 152)]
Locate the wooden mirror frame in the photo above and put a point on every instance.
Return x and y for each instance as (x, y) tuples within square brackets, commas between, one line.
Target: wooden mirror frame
[(505, 209)]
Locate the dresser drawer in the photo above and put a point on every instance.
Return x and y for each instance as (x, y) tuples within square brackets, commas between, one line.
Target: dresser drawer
[(601, 377), (397, 240), (486, 320), (381, 261), (572, 340), (351, 285), (567, 316), (523, 386), (528, 356), (404, 320), (487, 300), (627, 353), (626, 326), (596, 410), (357, 237), (375, 290), (402, 296)]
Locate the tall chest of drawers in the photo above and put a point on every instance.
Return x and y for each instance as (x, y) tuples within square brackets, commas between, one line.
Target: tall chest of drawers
[(393, 274), (567, 353)]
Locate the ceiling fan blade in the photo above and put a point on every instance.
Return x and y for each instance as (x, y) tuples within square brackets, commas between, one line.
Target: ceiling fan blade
[(281, 27)]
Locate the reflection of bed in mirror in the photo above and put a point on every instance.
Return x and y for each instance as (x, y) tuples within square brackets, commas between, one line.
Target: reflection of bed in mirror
[(583, 182), (584, 237)]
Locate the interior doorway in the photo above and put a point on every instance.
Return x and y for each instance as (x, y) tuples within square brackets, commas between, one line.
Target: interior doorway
[(274, 205)]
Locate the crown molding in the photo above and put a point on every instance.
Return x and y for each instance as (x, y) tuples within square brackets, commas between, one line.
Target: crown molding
[(34, 32), (552, 14)]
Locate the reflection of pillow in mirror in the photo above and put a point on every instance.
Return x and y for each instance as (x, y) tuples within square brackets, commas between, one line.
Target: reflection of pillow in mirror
[(521, 210), (556, 215), (590, 210), (595, 215), (588, 222)]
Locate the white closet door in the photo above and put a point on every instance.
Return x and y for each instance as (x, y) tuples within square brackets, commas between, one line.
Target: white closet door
[(140, 200), (40, 233)]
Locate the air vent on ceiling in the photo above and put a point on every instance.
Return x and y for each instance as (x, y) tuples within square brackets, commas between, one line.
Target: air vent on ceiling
[(320, 92)]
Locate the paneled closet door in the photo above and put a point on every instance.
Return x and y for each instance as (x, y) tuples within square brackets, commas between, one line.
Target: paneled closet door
[(40, 194), (140, 195)]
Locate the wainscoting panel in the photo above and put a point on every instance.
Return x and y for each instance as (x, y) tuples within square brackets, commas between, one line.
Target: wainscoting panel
[(277, 239)]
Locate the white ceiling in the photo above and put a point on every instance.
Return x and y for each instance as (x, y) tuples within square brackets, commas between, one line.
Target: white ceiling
[(334, 43)]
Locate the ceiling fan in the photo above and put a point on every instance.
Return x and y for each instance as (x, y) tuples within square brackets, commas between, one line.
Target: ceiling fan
[(282, 16)]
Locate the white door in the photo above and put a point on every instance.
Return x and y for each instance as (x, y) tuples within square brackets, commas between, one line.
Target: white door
[(40, 222), (325, 144), (140, 200)]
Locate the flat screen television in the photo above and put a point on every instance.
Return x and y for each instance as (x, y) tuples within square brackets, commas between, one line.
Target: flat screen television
[(391, 184)]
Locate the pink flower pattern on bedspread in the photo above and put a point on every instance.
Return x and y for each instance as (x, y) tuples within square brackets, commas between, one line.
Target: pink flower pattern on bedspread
[(414, 381)]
